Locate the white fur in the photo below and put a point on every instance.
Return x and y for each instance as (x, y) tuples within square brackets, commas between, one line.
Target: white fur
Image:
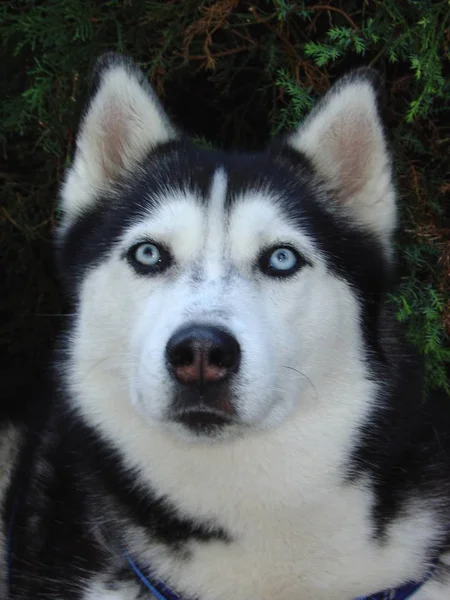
[(99, 591), (436, 589), (344, 140)]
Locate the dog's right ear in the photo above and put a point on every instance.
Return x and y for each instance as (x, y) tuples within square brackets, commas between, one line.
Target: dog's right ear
[(122, 122)]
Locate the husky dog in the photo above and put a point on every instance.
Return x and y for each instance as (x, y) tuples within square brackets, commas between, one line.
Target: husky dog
[(234, 413)]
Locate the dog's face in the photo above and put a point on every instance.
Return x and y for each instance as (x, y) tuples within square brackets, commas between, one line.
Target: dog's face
[(216, 293)]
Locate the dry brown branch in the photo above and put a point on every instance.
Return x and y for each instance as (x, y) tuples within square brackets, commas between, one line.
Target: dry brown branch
[(336, 10)]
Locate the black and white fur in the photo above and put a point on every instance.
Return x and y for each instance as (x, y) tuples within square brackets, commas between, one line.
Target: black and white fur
[(331, 479)]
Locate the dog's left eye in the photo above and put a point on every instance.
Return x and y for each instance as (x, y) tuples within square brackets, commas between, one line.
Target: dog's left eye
[(280, 262), (147, 258)]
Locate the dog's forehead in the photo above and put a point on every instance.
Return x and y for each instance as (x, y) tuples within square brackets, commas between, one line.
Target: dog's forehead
[(220, 178), (217, 181), (243, 212)]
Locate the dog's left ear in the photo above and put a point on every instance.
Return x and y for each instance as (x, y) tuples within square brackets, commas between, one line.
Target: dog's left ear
[(344, 140)]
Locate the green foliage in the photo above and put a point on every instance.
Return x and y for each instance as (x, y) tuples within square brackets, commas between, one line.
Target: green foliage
[(254, 69), (301, 101)]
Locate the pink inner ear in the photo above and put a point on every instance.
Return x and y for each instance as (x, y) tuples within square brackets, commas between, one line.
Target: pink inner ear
[(113, 140), (351, 146)]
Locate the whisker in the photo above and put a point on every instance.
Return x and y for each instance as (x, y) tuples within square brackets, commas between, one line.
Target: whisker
[(316, 395)]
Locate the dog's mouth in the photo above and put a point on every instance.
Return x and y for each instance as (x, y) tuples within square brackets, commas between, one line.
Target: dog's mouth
[(206, 411), (202, 420)]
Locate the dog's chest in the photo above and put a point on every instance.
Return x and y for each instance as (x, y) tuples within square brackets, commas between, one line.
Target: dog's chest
[(327, 551), (296, 529)]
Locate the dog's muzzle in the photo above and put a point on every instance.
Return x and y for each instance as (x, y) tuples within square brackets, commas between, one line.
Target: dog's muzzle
[(202, 360)]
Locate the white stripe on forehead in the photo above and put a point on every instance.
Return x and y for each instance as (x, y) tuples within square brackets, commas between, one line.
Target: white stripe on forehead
[(215, 226)]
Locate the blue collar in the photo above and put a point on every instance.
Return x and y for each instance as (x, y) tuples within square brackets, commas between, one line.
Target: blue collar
[(162, 592), (157, 588)]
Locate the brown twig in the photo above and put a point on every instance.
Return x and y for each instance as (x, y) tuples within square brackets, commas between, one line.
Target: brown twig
[(300, 62), (336, 10), (215, 54), (9, 218)]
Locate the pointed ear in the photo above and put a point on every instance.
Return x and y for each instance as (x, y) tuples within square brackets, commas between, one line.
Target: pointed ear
[(122, 122), (344, 140)]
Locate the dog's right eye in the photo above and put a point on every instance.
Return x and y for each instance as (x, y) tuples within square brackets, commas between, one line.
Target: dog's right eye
[(148, 258)]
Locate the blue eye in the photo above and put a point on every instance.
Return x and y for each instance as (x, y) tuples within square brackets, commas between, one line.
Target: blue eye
[(283, 259), (147, 254), (148, 258), (280, 262)]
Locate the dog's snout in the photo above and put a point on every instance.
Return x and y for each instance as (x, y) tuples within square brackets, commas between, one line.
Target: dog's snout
[(201, 355)]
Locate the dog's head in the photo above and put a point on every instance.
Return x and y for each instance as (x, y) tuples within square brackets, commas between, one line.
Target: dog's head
[(222, 292)]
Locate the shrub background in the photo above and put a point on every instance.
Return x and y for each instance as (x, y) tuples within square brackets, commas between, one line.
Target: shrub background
[(232, 73)]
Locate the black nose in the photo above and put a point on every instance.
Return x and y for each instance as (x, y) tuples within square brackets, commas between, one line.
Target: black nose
[(199, 355)]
